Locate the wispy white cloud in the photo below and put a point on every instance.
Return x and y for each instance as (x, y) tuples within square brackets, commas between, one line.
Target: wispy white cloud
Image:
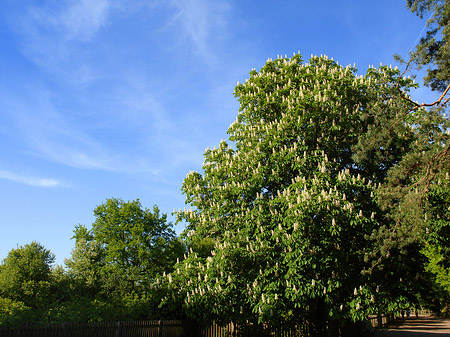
[(27, 180), (82, 19), (140, 105), (202, 22), (125, 137), (51, 34), (70, 154), (101, 99), (47, 132), (71, 20)]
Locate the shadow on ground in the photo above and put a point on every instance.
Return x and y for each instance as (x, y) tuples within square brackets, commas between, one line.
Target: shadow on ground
[(424, 326)]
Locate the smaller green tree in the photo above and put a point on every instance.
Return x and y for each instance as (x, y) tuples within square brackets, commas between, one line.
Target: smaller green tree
[(25, 275), (126, 248), (86, 261)]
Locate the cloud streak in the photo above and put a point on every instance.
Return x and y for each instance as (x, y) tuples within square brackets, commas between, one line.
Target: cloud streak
[(48, 132), (203, 22), (100, 107), (51, 35), (27, 180), (72, 20), (84, 18)]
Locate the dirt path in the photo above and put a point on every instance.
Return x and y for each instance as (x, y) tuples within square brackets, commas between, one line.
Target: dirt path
[(424, 326)]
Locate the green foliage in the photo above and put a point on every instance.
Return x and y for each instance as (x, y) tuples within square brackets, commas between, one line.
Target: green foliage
[(126, 248), (32, 289), (413, 201), (436, 246), (88, 309), (25, 274), (413, 198), (13, 312), (436, 266), (438, 219), (110, 275), (85, 264), (114, 264), (288, 207)]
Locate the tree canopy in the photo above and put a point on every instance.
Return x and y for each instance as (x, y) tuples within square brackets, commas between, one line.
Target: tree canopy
[(414, 195), (290, 202), (26, 283), (25, 273), (127, 246)]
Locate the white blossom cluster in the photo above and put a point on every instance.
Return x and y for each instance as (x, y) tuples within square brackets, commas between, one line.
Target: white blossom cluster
[(285, 205)]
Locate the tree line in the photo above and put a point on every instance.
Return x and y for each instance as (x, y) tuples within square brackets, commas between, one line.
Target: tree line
[(110, 275), (330, 200)]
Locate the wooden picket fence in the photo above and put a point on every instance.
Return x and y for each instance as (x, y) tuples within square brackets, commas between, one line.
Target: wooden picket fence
[(381, 321), (166, 328)]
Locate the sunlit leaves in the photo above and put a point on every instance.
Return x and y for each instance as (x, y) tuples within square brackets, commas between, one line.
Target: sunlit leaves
[(288, 208)]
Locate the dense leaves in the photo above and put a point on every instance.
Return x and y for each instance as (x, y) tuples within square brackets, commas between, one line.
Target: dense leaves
[(289, 208), (25, 274), (110, 276), (126, 248)]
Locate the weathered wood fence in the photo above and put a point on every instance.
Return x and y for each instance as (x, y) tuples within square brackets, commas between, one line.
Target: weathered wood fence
[(165, 328), (381, 321)]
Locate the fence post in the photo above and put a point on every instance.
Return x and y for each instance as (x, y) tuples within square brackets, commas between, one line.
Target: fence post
[(118, 329), (159, 328)]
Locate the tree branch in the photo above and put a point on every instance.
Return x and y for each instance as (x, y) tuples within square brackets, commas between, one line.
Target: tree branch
[(417, 105)]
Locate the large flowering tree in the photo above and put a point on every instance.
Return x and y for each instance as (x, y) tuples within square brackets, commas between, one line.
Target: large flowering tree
[(282, 213)]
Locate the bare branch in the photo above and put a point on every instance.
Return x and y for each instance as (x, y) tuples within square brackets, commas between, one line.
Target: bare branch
[(417, 105)]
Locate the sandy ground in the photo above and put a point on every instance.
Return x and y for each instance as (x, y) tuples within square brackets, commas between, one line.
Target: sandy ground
[(424, 326)]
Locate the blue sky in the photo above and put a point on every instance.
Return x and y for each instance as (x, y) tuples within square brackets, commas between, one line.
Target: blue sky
[(115, 98)]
